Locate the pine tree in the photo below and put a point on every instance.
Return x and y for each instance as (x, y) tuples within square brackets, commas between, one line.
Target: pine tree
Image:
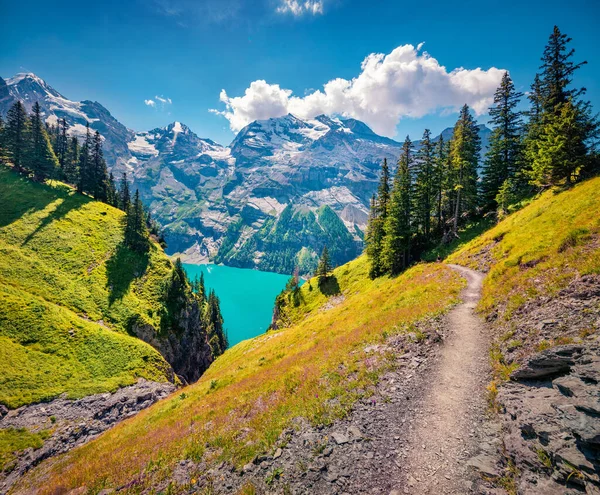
[(42, 160), (557, 72), (398, 230), (377, 216), (201, 288), (443, 185), (561, 106), (324, 267), (71, 165), (124, 194), (464, 158), (62, 143), (112, 195), (87, 176), (217, 338), (562, 150), (100, 174), (504, 157), (17, 136), (383, 190), (136, 232), (425, 184)]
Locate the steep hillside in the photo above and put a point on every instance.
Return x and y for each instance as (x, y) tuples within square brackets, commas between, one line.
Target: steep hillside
[(542, 298), (74, 298), (314, 369), (66, 300)]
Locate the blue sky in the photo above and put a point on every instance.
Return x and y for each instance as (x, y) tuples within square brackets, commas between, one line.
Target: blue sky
[(186, 52)]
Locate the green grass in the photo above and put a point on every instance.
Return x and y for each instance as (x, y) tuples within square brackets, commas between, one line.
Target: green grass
[(538, 250), (68, 294), (316, 368), (13, 440)]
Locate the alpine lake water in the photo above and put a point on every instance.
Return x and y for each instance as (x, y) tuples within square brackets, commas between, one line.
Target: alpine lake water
[(247, 297)]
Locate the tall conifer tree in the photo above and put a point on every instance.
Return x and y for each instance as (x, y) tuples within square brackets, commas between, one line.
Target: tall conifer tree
[(87, 176), (375, 227), (17, 135), (124, 194), (398, 230), (425, 184), (464, 158), (42, 160), (505, 154), (100, 189), (565, 116)]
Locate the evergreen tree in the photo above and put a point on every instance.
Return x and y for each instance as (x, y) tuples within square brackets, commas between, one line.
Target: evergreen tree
[(557, 73), (112, 195), (87, 175), (375, 227), (136, 232), (217, 338), (62, 144), (562, 151), (124, 194), (464, 158), (383, 190), (324, 267), (561, 106), (398, 231), (42, 160), (504, 157), (71, 165), (425, 184), (17, 135), (100, 188), (443, 183)]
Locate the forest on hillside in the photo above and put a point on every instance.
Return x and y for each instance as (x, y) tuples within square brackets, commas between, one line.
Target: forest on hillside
[(439, 189)]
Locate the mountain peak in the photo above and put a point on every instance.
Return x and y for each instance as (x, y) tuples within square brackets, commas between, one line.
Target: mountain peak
[(17, 78)]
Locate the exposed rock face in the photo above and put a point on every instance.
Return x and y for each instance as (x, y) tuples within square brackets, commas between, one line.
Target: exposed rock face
[(552, 420), (74, 422), (187, 349), (551, 407)]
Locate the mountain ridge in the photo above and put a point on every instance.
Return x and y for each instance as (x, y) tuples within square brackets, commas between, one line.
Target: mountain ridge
[(204, 194)]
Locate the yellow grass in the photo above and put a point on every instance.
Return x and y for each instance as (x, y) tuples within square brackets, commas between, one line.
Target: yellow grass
[(539, 249), (315, 369)]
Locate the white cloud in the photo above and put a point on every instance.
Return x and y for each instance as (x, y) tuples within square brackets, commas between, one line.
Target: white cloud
[(404, 83), (164, 101), (158, 102), (299, 7)]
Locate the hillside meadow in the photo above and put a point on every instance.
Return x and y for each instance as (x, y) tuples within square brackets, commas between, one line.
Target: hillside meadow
[(316, 369)]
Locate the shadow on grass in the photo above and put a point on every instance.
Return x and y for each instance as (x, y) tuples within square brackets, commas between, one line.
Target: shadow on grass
[(330, 286), (123, 267), (466, 234), (60, 211), (19, 196)]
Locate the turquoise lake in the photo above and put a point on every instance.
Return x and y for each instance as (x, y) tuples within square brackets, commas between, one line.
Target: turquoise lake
[(247, 297)]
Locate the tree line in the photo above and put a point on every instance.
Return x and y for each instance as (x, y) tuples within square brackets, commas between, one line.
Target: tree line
[(43, 152), (436, 189)]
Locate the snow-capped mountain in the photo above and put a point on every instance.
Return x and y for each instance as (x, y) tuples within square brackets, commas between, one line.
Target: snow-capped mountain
[(283, 189), (29, 88)]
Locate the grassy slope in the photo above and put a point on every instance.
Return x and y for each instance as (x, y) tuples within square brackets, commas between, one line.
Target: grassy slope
[(315, 369), (539, 249), (67, 293)]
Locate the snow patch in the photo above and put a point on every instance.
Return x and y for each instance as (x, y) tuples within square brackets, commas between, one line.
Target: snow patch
[(141, 146)]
